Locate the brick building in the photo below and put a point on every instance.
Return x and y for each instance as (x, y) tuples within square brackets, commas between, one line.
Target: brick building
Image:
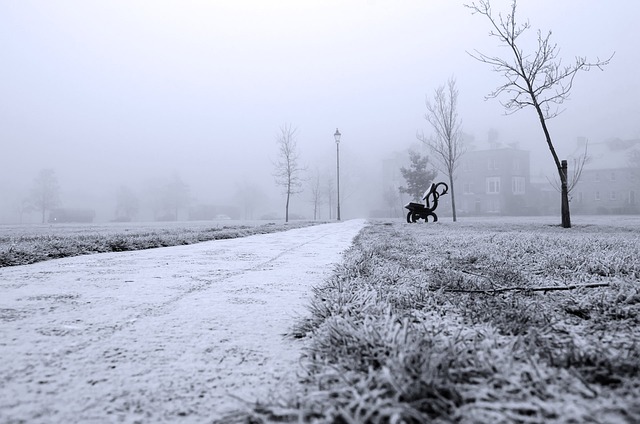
[(494, 182), (610, 180)]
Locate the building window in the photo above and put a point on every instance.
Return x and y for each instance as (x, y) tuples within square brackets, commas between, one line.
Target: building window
[(492, 164), (493, 206), (516, 165), (466, 165), (467, 188), (632, 197), (580, 197), (493, 185), (596, 177), (613, 176), (596, 197), (613, 195), (517, 185)]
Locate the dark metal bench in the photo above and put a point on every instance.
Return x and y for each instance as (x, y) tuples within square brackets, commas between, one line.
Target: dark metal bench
[(419, 211)]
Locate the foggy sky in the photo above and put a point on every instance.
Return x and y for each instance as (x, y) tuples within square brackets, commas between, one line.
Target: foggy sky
[(114, 91)]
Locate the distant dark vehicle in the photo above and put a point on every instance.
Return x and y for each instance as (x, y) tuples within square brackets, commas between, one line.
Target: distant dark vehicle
[(419, 211), (64, 215)]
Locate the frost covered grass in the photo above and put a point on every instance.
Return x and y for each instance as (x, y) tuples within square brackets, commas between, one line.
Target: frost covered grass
[(21, 245), (473, 323)]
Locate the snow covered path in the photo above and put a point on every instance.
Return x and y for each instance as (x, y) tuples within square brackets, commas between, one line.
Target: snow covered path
[(159, 335)]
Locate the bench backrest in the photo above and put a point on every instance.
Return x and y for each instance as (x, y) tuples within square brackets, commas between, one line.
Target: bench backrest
[(433, 195)]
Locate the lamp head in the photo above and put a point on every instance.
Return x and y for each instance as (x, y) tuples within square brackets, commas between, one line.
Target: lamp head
[(337, 136)]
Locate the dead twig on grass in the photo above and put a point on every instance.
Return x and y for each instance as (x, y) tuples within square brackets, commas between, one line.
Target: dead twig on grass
[(518, 288)]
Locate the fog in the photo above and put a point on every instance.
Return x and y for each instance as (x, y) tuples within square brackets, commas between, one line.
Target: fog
[(110, 93)]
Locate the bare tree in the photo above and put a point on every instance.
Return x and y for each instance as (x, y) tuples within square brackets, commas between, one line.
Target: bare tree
[(447, 145), (329, 192), (316, 193), (249, 195), (537, 79), (127, 204), (391, 197), (45, 194), (288, 173), (24, 206), (176, 195), (166, 196)]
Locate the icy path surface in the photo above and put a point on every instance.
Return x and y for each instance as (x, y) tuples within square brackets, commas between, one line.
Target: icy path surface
[(163, 335)]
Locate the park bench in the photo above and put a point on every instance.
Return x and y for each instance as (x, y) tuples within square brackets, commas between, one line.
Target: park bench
[(419, 211)]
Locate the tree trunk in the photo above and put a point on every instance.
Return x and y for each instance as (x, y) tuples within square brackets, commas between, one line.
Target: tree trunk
[(286, 211), (564, 210), (453, 197), (43, 212), (562, 166)]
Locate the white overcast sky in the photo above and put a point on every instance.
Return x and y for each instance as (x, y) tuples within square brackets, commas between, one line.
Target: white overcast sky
[(111, 90)]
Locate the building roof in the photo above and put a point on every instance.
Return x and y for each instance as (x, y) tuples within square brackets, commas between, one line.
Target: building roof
[(609, 154)]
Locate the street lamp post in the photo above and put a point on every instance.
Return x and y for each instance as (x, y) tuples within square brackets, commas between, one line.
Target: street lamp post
[(337, 137)]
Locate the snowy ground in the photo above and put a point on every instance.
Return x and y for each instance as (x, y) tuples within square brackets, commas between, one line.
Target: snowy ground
[(173, 334)]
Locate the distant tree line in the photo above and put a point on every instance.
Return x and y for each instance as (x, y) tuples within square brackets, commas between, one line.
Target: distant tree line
[(165, 197)]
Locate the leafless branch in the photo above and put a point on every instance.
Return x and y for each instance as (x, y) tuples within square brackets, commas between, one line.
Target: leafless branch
[(537, 79), (578, 166)]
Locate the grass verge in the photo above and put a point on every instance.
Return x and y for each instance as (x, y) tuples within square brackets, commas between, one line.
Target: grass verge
[(393, 339), (31, 248)]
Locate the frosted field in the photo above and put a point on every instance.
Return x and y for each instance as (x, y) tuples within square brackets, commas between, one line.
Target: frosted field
[(24, 244), (409, 323), (110, 228), (482, 321)]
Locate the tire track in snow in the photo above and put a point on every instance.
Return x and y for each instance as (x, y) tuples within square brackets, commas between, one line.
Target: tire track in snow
[(206, 283), (160, 308)]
